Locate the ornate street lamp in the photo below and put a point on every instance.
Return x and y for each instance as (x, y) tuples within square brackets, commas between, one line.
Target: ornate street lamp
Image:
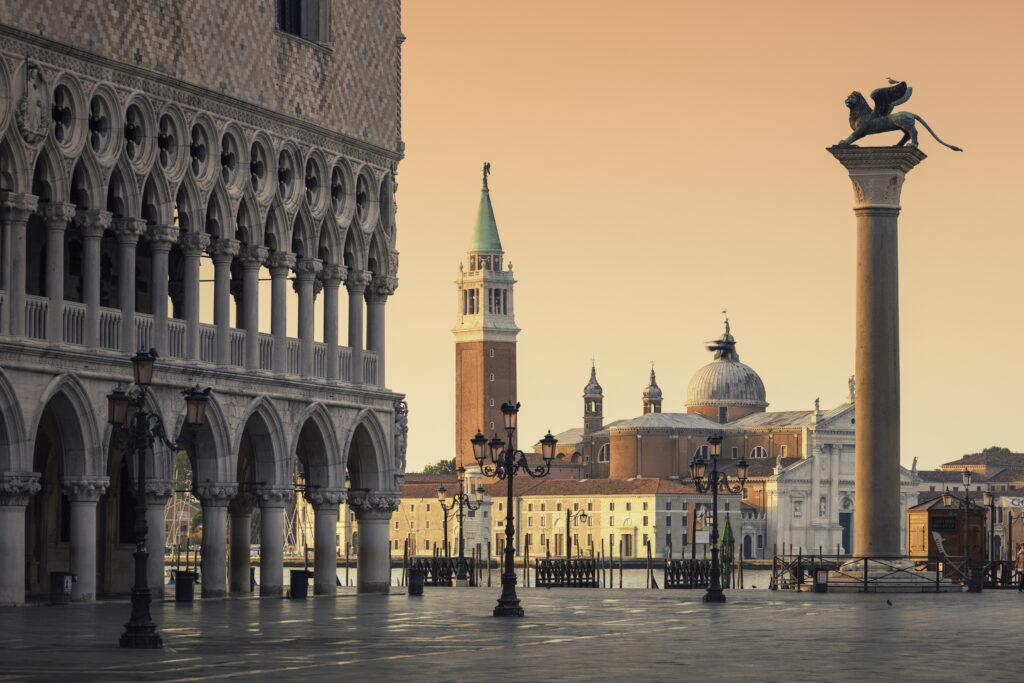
[(989, 501), (569, 516), (506, 462), (965, 504), (462, 500), (714, 481), (136, 429)]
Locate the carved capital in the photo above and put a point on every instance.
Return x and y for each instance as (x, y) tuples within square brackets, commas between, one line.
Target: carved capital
[(280, 263), (56, 215), (216, 495), (252, 257), (332, 274), (373, 504), (16, 488), (325, 498), (277, 497), (161, 237), (157, 492), (381, 288), (128, 230), (85, 489), (877, 173), (93, 222), (356, 281), (193, 243), (223, 249), (17, 206), (307, 268), (242, 504)]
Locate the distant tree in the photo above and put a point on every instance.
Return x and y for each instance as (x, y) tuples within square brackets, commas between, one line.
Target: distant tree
[(997, 449), (441, 467)]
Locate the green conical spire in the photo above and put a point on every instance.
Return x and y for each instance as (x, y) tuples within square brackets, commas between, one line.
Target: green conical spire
[(727, 536), (485, 230)]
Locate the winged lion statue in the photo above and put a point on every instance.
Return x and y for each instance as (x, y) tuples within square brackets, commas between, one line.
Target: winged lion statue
[(867, 121)]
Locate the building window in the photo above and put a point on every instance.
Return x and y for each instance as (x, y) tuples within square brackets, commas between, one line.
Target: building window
[(611, 521), (492, 402), (542, 519), (797, 508), (575, 506), (396, 525), (492, 376), (645, 540), (611, 507), (629, 506), (492, 424), (529, 521), (668, 520), (602, 454), (758, 452), (735, 452), (426, 524), (492, 353), (668, 505), (499, 507), (307, 19), (485, 514), (412, 508), (783, 451), (645, 520), (590, 507), (645, 506), (529, 507), (558, 507), (683, 544), (426, 544), (701, 452), (428, 507), (760, 541), (723, 414), (543, 507)]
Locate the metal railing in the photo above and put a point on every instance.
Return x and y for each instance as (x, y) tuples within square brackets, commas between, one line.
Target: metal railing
[(562, 573), (687, 573), (440, 571)]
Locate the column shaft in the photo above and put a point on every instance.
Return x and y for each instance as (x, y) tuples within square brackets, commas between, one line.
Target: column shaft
[(15, 491), (223, 252), (157, 493), (305, 272), (56, 216), (280, 264), (331, 277), (192, 246), (93, 224), (127, 231), (161, 237), (252, 259), (272, 504), (16, 210), (215, 499), (356, 283), (373, 565), (241, 525), (325, 554)]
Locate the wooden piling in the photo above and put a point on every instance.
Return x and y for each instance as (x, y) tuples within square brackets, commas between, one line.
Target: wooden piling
[(620, 563)]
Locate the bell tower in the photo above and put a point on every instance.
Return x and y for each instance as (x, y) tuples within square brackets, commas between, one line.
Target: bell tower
[(593, 398), (485, 335)]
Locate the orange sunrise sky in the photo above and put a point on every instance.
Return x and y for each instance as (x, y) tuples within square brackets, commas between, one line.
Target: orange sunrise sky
[(657, 162)]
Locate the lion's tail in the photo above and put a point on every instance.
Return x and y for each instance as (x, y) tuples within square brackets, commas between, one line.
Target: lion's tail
[(925, 124)]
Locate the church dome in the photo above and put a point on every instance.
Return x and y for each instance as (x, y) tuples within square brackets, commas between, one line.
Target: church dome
[(652, 390), (593, 388), (726, 381)]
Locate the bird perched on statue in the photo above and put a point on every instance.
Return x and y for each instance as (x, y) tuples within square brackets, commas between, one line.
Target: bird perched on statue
[(891, 80)]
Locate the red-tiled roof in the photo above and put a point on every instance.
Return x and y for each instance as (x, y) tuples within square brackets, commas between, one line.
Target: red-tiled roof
[(1015, 460), (423, 478)]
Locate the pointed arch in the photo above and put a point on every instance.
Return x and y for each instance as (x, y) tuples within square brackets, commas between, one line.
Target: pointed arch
[(303, 242), (208, 445), (377, 261), (122, 199), (14, 175), (262, 423), (329, 244), (157, 208), (247, 221), (218, 220), (188, 210), (275, 230), (48, 181), (86, 189), (76, 419), (354, 255), (366, 454), (12, 430), (326, 468)]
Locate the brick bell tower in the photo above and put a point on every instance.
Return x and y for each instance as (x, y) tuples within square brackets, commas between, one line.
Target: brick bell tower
[(485, 335)]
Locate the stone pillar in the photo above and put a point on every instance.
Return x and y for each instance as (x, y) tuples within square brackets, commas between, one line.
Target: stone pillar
[(128, 231), (157, 493), (272, 504), (305, 272), (376, 296), (16, 488), (877, 174), (215, 499), (161, 237), (56, 216), (93, 223), (223, 251), (15, 209), (192, 246), (331, 277), (325, 504), (240, 510), (356, 282), (373, 513), (280, 264), (252, 259), (83, 494)]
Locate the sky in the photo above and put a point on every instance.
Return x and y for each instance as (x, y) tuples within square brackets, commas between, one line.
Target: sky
[(656, 162)]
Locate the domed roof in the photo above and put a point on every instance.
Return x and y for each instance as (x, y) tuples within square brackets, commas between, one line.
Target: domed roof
[(726, 381), (593, 388), (653, 391)]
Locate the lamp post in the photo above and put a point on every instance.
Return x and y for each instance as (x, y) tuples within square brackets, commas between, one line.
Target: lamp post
[(569, 516), (713, 481), (989, 501), (964, 504), (137, 430), (462, 500), (506, 463)]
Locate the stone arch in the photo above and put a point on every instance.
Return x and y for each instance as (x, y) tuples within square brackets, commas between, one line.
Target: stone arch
[(86, 190), (187, 207), (122, 199), (366, 449), (218, 221), (355, 249), (303, 242), (329, 247), (261, 434), (377, 261), (48, 181), (157, 208), (208, 445), (248, 229), (275, 230), (327, 469), (13, 167), (12, 430), (75, 416)]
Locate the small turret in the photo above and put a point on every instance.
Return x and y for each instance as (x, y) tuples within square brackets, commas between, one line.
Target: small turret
[(593, 398), (652, 395)]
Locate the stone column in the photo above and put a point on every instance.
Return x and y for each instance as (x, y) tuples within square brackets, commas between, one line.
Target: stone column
[(280, 264), (376, 296), (252, 259), (128, 231), (16, 488), (877, 174), (223, 251), (240, 509), (83, 494), (93, 223), (215, 499), (16, 209), (272, 504), (56, 216), (192, 246), (157, 493), (356, 282), (373, 565), (161, 237), (305, 272), (331, 277), (325, 504)]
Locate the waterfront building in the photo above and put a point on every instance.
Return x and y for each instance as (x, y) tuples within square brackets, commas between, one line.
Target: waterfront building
[(169, 176)]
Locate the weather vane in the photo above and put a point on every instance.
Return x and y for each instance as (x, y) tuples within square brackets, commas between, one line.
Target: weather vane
[(487, 172), (867, 121)]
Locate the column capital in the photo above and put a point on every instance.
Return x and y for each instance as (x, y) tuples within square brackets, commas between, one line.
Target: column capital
[(93, 222), (16, 488), (56, 214), (877, 173), (242, 504), (275, 496), (216, 495), (325, 498), (356, 281), (193, 243), (223, 249), (373, 504), (280, 263), (252, 257), (161, 237), (18, 205), (85, 489), (381, 287), (332, 274), (307, 268), (128, 230), (158, 491)]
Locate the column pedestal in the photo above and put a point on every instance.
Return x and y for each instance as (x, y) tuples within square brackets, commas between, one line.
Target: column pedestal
[(83, 494), (215, 500), (877, 174), (15, 491), (272, 504), (373, 563)]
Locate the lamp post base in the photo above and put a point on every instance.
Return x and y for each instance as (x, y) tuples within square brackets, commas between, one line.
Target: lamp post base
[(511, 609), (714, 595), (142, 641)]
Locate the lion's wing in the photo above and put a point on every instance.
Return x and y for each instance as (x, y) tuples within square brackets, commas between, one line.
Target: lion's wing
[(887, 98)]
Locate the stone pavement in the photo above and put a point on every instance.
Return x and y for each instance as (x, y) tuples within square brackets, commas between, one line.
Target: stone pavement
[(567, 635)]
